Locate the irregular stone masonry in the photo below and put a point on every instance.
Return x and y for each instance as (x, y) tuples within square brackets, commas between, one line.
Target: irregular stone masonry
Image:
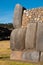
[(33, 15)]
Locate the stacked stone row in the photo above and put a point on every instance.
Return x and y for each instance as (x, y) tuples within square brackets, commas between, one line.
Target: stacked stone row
[(26, 40), (33, 15)]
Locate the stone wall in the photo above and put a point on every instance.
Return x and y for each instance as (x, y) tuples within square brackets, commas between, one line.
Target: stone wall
[(33, 15), (26, 40)]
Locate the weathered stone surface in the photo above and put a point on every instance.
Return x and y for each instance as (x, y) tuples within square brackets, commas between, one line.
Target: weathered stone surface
[(16, 55), (31, 56), (17, 16), (39, 38), (41, 57), (30, 35), (18, 39), (12, 38)]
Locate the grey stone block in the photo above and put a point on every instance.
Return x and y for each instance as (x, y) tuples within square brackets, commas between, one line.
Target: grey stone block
[(12, 38), (17, 40), (31, 56), (39, 38), (17, 16), (30, 35)]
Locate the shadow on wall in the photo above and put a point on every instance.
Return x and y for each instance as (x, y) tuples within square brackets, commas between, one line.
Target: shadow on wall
[(4, 33)]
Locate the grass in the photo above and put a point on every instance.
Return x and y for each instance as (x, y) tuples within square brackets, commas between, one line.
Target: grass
[(5, 55), (15, 63), (4, 50)]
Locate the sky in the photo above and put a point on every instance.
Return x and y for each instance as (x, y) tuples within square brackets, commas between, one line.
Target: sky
[(7, 8)]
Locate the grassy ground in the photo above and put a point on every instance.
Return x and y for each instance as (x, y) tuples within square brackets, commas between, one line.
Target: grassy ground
[(5, 55), (4, 49), (17, 63)]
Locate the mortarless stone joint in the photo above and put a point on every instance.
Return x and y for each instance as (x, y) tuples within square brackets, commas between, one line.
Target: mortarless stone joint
[(26, 40)]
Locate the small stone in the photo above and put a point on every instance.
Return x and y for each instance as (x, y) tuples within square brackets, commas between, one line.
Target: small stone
[(37, 19), (29, 16), (39, 16), (24, 11)]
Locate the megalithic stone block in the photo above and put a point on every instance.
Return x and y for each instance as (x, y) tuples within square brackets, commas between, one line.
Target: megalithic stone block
[(17, 40), (39, 38), (30, 56), (30, 35), (12, 39), (17, 16), (16, 55)]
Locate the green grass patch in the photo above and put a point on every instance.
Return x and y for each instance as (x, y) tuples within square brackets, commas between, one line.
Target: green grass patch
[(18, 63)]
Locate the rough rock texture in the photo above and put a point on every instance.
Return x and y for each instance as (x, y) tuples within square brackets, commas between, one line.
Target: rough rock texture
[(18, 39), (32, 15), (39, 38), (31, 56), (17, 16), (30, 36)]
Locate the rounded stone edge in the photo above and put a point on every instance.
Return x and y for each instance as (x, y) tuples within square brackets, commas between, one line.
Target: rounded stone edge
[(12, 39), (19, 15)]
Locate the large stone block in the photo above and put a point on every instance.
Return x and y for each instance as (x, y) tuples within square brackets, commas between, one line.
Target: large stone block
[(30, 35), (16, 55), (31, 56), (17, 40), (17, 16), (12, 39), (39, 37)]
